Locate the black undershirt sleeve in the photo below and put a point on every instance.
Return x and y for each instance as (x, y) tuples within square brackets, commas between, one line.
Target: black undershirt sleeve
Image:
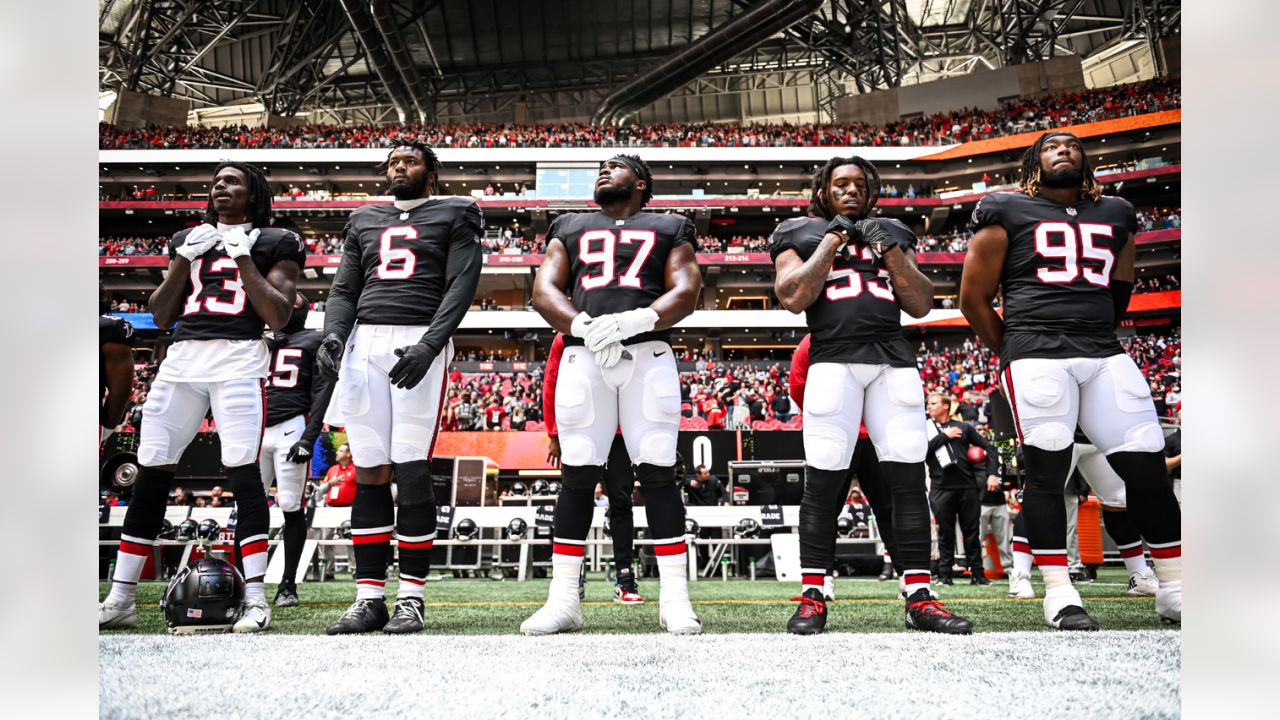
[(340, 309), (321, 391), (462, 276)]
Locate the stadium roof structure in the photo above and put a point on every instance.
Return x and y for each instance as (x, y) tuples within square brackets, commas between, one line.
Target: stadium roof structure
[(543, 60)]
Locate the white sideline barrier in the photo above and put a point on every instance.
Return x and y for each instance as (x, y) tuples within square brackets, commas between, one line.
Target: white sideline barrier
[(497, 518)]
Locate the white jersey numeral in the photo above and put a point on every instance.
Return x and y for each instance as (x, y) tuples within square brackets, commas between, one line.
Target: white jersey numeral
[(847, 283), (1070, 250), (605, 258), (403, 256), (285, 373), (214, 304)]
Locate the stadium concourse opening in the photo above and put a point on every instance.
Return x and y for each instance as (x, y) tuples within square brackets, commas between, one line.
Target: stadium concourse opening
[(479, 321)]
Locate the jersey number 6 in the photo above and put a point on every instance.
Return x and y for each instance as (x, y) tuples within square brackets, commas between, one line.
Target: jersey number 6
[(403, 256), (604, 257)]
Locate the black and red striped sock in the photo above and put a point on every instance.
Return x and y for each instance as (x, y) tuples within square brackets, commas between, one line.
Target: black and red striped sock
[(819, 507), (253, 521), (1154, 508), (372, 522), (1046, 515), (1126, 537), (912, 524), (142, 522)]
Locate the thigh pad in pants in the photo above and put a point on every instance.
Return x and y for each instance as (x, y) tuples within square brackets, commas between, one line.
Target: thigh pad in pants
[(586, 410), (171, 417), (1043, 394), (239, 409), (1116, 409), (894, 412), (649, 405), (831, 416)]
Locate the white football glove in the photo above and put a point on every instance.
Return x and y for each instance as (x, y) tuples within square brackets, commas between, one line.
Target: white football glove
[(581, 322), (236, 243), (618, 327), (199, 241), (610, 355)]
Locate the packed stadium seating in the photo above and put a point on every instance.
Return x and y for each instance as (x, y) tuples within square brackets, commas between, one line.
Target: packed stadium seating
[(940, 129)]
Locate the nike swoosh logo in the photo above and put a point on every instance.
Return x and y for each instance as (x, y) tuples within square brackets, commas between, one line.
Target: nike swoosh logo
[(289, 433), (660, 354)]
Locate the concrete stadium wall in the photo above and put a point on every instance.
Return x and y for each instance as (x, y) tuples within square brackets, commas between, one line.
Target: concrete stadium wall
[(134, 110)]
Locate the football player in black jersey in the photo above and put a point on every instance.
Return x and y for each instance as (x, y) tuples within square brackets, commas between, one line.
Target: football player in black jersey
[(1060, 253), (852, 276), (115, 366), (614, 282), (297, 396), (408, 274), (226, 277)]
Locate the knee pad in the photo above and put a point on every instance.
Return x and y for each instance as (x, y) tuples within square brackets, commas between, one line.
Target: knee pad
[(657, 447), (153, 450), (579, 450), (580, 478), (288, 499), (826, 447), (1049, 436), (906, 441), (415, 483), (652, 476), (1143, 438)]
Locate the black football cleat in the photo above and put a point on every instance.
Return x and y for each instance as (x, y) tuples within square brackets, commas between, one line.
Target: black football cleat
[(363, 616), (978, 577), (1073, 617), (944, 580), (811, 617), (286, 594), (407, 617), (926, 613)]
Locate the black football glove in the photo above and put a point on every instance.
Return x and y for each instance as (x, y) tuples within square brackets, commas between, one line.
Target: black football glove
[(329, 354), (300, 453), (844, 224), (415, 361), (881, 235)]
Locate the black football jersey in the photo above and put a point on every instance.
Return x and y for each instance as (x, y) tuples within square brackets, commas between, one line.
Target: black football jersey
[(856, 318), (393, 261), (215, 305), (1056, 281), (111, 329), (619, 265), (289, 386)]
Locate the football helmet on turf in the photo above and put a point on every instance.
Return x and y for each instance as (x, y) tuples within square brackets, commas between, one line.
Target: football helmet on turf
[(204, 597)]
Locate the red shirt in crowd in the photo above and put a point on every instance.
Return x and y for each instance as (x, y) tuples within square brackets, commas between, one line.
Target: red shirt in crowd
[(344, 493)]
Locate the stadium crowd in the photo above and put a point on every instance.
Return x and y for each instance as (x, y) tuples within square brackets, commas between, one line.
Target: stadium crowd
[(1015, 116), (717, 394)]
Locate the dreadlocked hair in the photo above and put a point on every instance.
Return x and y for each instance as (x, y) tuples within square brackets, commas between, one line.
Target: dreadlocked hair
[(1032, 167), (646, 175), (822, 178), (428, 158), (259, 211)]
